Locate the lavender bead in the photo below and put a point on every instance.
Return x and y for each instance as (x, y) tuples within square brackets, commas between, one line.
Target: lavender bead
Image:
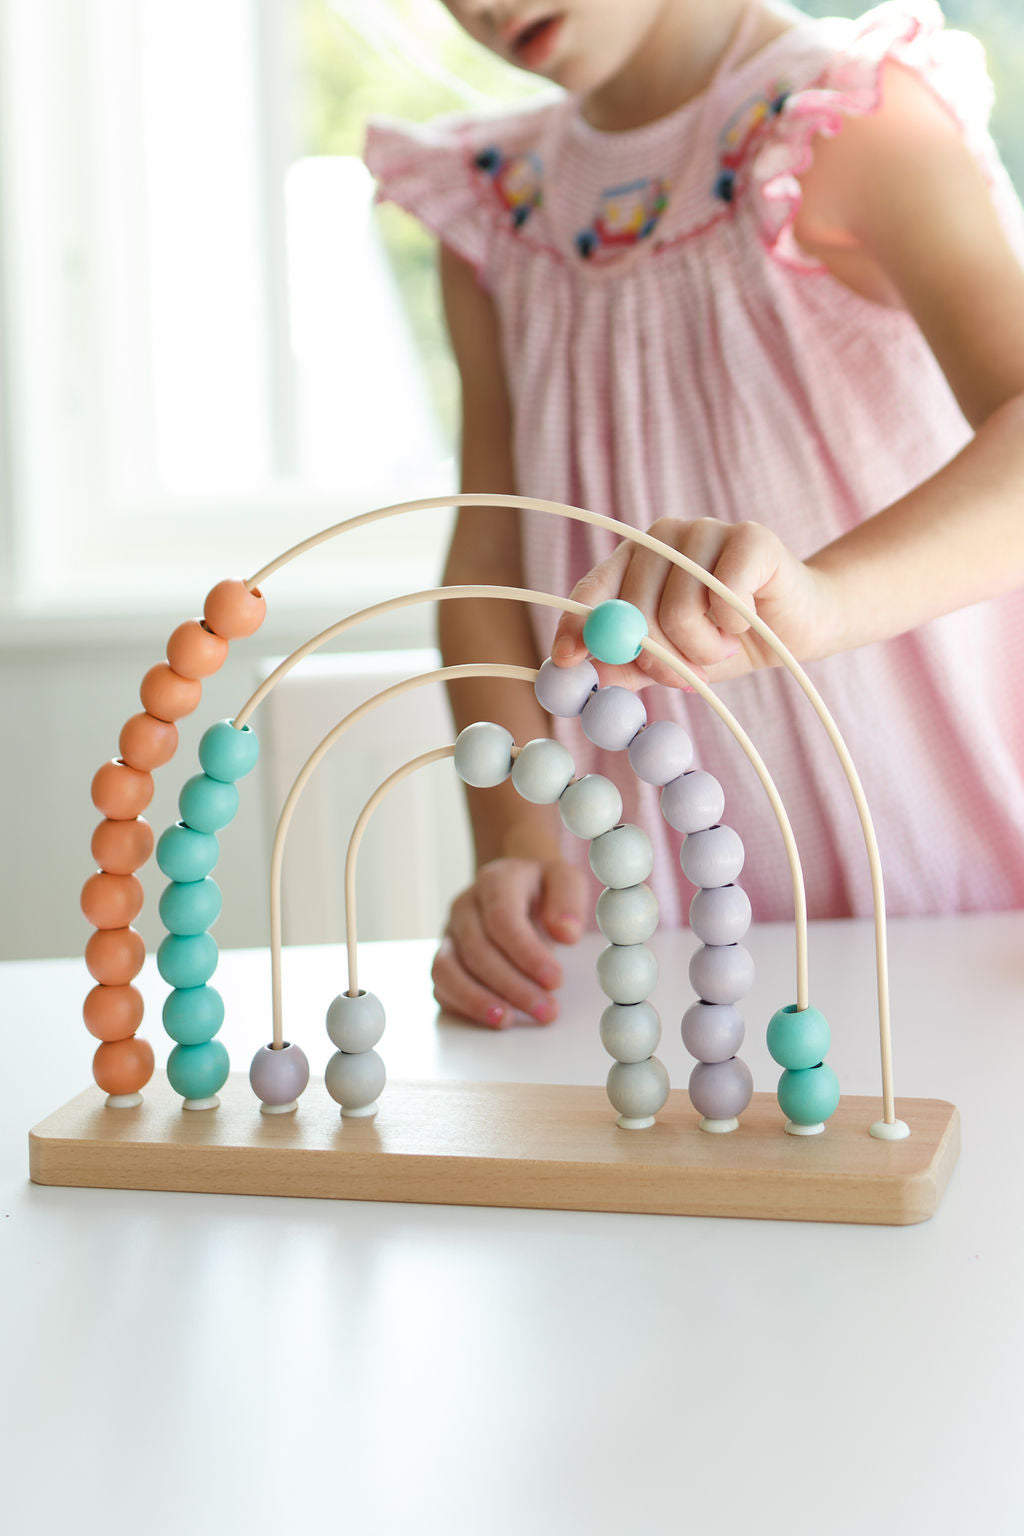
[(611, 718), (712, 1031), (622, 857), (661, 752), (713, 857), (590, 806), (630, 1032), (563, 691), (483, 754), (278, 1077), (693, 802), (720, 915), (721, 973), (638, 1089), (355, 1024), (627, 973), (627, 916), (721, 1090), (542, 770)]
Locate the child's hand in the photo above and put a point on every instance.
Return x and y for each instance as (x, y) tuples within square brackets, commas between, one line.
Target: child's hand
[(687, 617), (493, 961)]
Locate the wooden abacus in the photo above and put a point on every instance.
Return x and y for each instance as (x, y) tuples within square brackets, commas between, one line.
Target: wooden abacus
[(510, 1144)]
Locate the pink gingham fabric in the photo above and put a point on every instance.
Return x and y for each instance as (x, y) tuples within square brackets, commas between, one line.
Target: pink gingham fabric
[(671, 352)]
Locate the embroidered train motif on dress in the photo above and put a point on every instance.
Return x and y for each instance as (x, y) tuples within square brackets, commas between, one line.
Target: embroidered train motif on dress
[(740, 130), (516, 180), (626, 215)]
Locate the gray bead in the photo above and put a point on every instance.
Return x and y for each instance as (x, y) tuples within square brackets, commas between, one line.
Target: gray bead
[(611, 718), (638, 1089), (630, 1032), (355, 1023), (627, 916), (563, 691), (713, 857), (721, 973), (661, 752), (590, 806), (622, 857), (627, 973), (542, 770), (712, 1031), (721, 1090), (278, 1077), (692, 802), (483, 754), (355, 1082), (720, 915)]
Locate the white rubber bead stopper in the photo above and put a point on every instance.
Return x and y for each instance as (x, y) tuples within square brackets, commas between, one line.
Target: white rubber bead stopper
[(279, 1109), (123, 1100), (882, 1130), (213, 1102), (362, 1113), (635, 1125), (719, 1127), (792, 1129)]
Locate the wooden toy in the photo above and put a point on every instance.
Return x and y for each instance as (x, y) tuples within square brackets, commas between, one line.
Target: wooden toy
[(720, 1149)]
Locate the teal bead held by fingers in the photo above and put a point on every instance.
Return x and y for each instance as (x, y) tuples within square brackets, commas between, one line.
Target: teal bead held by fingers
[(613, 632)]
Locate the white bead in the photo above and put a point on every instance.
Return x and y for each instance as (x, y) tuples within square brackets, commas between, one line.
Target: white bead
[(627, 916), (720, 914), (590, 806), (611, 718), (721, 973), (542, 770), (563, 691), (630, 1032), (712, 857), (627, 973), (622, 857), (693, 801), (638, 1089), (483, 754), (355, 1082), (355, 1024), (660, 752)]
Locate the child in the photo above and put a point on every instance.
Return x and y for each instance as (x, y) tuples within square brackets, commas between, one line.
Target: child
[(747, 266)]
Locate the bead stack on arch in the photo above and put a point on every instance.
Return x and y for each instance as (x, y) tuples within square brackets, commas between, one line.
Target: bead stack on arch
[(808, 1091), (198, 1065), (355, 1075), (123, 841)]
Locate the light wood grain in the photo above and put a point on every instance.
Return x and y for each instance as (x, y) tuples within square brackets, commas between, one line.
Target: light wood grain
[(508, 1144)]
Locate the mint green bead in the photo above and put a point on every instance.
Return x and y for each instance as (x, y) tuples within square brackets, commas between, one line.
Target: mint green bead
[(184, 854), (613, 631), (227, 753), (187, 960), (207, 804), (190, 907), (798, 1038), (809, 1096), (193, 1015), (198, 1071)]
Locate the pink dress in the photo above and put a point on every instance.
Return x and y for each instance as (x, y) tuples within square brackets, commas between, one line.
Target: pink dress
[(670, 351)]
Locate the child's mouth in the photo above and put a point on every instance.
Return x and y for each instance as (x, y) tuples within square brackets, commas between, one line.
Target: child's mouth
[(534, 44)]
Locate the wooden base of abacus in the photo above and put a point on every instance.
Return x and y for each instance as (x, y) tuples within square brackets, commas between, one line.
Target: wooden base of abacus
[(508, 1144)]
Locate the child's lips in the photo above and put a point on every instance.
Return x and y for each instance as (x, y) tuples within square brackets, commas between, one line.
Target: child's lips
[(533, 42)]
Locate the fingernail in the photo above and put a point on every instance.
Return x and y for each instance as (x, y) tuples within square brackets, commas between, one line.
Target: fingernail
[(570, 925), (494, 1015), (544, 1011), (563, 649)]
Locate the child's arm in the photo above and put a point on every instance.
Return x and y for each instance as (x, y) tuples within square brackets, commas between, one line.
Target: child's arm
[(492, 955), (896, 205)]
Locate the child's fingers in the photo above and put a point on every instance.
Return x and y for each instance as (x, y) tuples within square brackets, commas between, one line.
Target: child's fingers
[(562, 902), (600, 583), (496, 956), (748, 561)]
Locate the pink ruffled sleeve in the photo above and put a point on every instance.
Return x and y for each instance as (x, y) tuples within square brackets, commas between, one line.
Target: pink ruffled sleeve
[(911, 33), (428, 170)]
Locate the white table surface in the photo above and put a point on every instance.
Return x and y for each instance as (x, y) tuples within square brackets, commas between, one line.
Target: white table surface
[(178, 1364)]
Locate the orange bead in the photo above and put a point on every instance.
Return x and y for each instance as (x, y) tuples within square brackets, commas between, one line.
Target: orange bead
[(112, 901), (195, 651), (114, 956), (119, 847), (168, 695), (123, 1066), (121, 792), (233, 611), (146, 742), (113, 1013)]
